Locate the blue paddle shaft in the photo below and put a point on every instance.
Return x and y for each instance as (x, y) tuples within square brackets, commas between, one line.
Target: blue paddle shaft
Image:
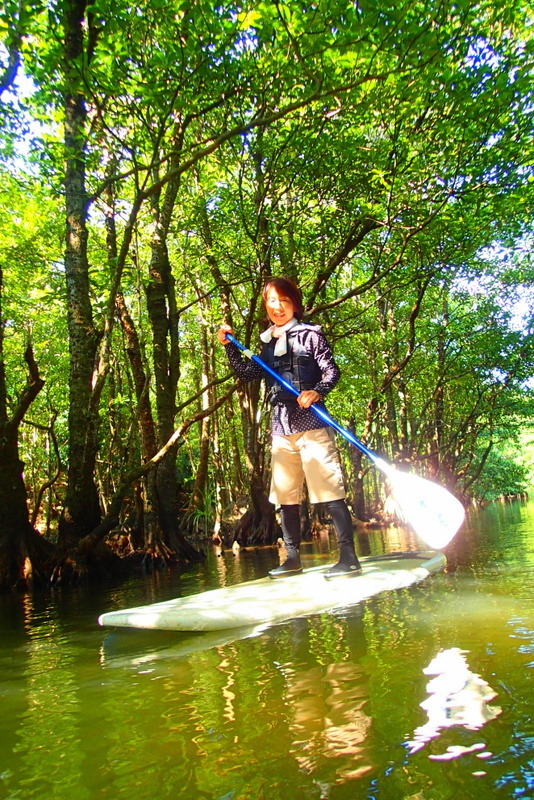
[(321, 413), (434, 513)]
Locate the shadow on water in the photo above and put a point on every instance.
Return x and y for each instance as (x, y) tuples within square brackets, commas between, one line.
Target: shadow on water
[(420, 694)]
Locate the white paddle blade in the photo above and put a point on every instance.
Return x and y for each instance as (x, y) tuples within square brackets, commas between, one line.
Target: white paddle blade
[(432, 511)]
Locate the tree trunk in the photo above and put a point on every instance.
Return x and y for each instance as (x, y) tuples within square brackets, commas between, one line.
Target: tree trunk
[(164, 319), (356, 457), (146, 500), (81, 512), (437, 446), (22, 551), (258, 525), (198, 495), (161, 306), (389, 351)]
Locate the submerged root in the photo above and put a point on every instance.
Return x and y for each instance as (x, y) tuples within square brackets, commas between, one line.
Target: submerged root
[(68, 572), (26, 563), (74, 568), (157, 558)]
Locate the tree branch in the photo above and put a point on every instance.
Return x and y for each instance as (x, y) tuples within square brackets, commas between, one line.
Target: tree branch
[(33, 386), (111, 519)]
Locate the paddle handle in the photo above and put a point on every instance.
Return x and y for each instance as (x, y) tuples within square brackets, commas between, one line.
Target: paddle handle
[(321, 412)]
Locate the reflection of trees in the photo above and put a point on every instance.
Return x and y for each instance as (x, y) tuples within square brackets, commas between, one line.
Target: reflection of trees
[(46, 749), (262, 718), (218, 706)]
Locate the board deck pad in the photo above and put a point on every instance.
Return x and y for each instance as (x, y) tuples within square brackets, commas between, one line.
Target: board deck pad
[(268, 601)]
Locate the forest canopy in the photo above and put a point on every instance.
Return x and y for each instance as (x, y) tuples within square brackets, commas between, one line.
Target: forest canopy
[(159, 161)]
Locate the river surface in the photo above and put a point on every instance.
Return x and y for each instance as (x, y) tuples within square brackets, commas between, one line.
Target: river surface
[(424, 693)]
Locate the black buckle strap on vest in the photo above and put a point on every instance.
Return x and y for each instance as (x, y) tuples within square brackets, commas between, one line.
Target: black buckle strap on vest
[(297, 367)]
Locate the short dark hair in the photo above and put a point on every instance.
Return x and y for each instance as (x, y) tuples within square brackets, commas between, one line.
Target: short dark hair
[(287, 288)]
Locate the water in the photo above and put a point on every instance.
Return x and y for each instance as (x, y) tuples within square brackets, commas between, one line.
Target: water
[(425, 693)]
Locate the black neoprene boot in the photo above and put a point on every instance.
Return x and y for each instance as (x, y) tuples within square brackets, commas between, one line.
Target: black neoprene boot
[(290, 521), (348, 563), (291, 566)]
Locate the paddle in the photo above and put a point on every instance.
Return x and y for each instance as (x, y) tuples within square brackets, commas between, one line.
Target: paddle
[(432, 511)]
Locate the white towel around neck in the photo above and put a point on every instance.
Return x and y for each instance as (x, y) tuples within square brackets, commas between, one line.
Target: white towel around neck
[(279, 333)]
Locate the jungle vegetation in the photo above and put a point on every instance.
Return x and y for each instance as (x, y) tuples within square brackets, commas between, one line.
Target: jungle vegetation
[(159, 160)]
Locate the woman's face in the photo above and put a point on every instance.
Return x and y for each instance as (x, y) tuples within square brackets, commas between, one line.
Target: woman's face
[(280, 309)]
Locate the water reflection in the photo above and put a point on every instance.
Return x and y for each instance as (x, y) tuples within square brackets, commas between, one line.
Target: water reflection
[(41, 740), (134, 649), (457, 696), (317, 707), (329, 723)]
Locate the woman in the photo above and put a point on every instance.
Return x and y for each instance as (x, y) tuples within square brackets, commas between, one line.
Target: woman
[(302, 447)]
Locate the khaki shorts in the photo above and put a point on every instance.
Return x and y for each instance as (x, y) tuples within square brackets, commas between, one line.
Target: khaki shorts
[(311, 456)]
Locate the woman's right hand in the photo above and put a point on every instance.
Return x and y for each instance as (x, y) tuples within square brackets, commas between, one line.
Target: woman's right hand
[(221, 334)]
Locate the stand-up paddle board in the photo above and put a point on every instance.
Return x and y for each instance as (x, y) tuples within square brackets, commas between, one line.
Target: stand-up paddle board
[(268, 601)]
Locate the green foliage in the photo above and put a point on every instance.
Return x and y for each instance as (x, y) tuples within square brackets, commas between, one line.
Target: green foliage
[(502, 476), (33, 301), (381, 156), (525, 456)]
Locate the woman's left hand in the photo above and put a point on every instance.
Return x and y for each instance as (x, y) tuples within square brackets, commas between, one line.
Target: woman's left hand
[(309, 396)]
